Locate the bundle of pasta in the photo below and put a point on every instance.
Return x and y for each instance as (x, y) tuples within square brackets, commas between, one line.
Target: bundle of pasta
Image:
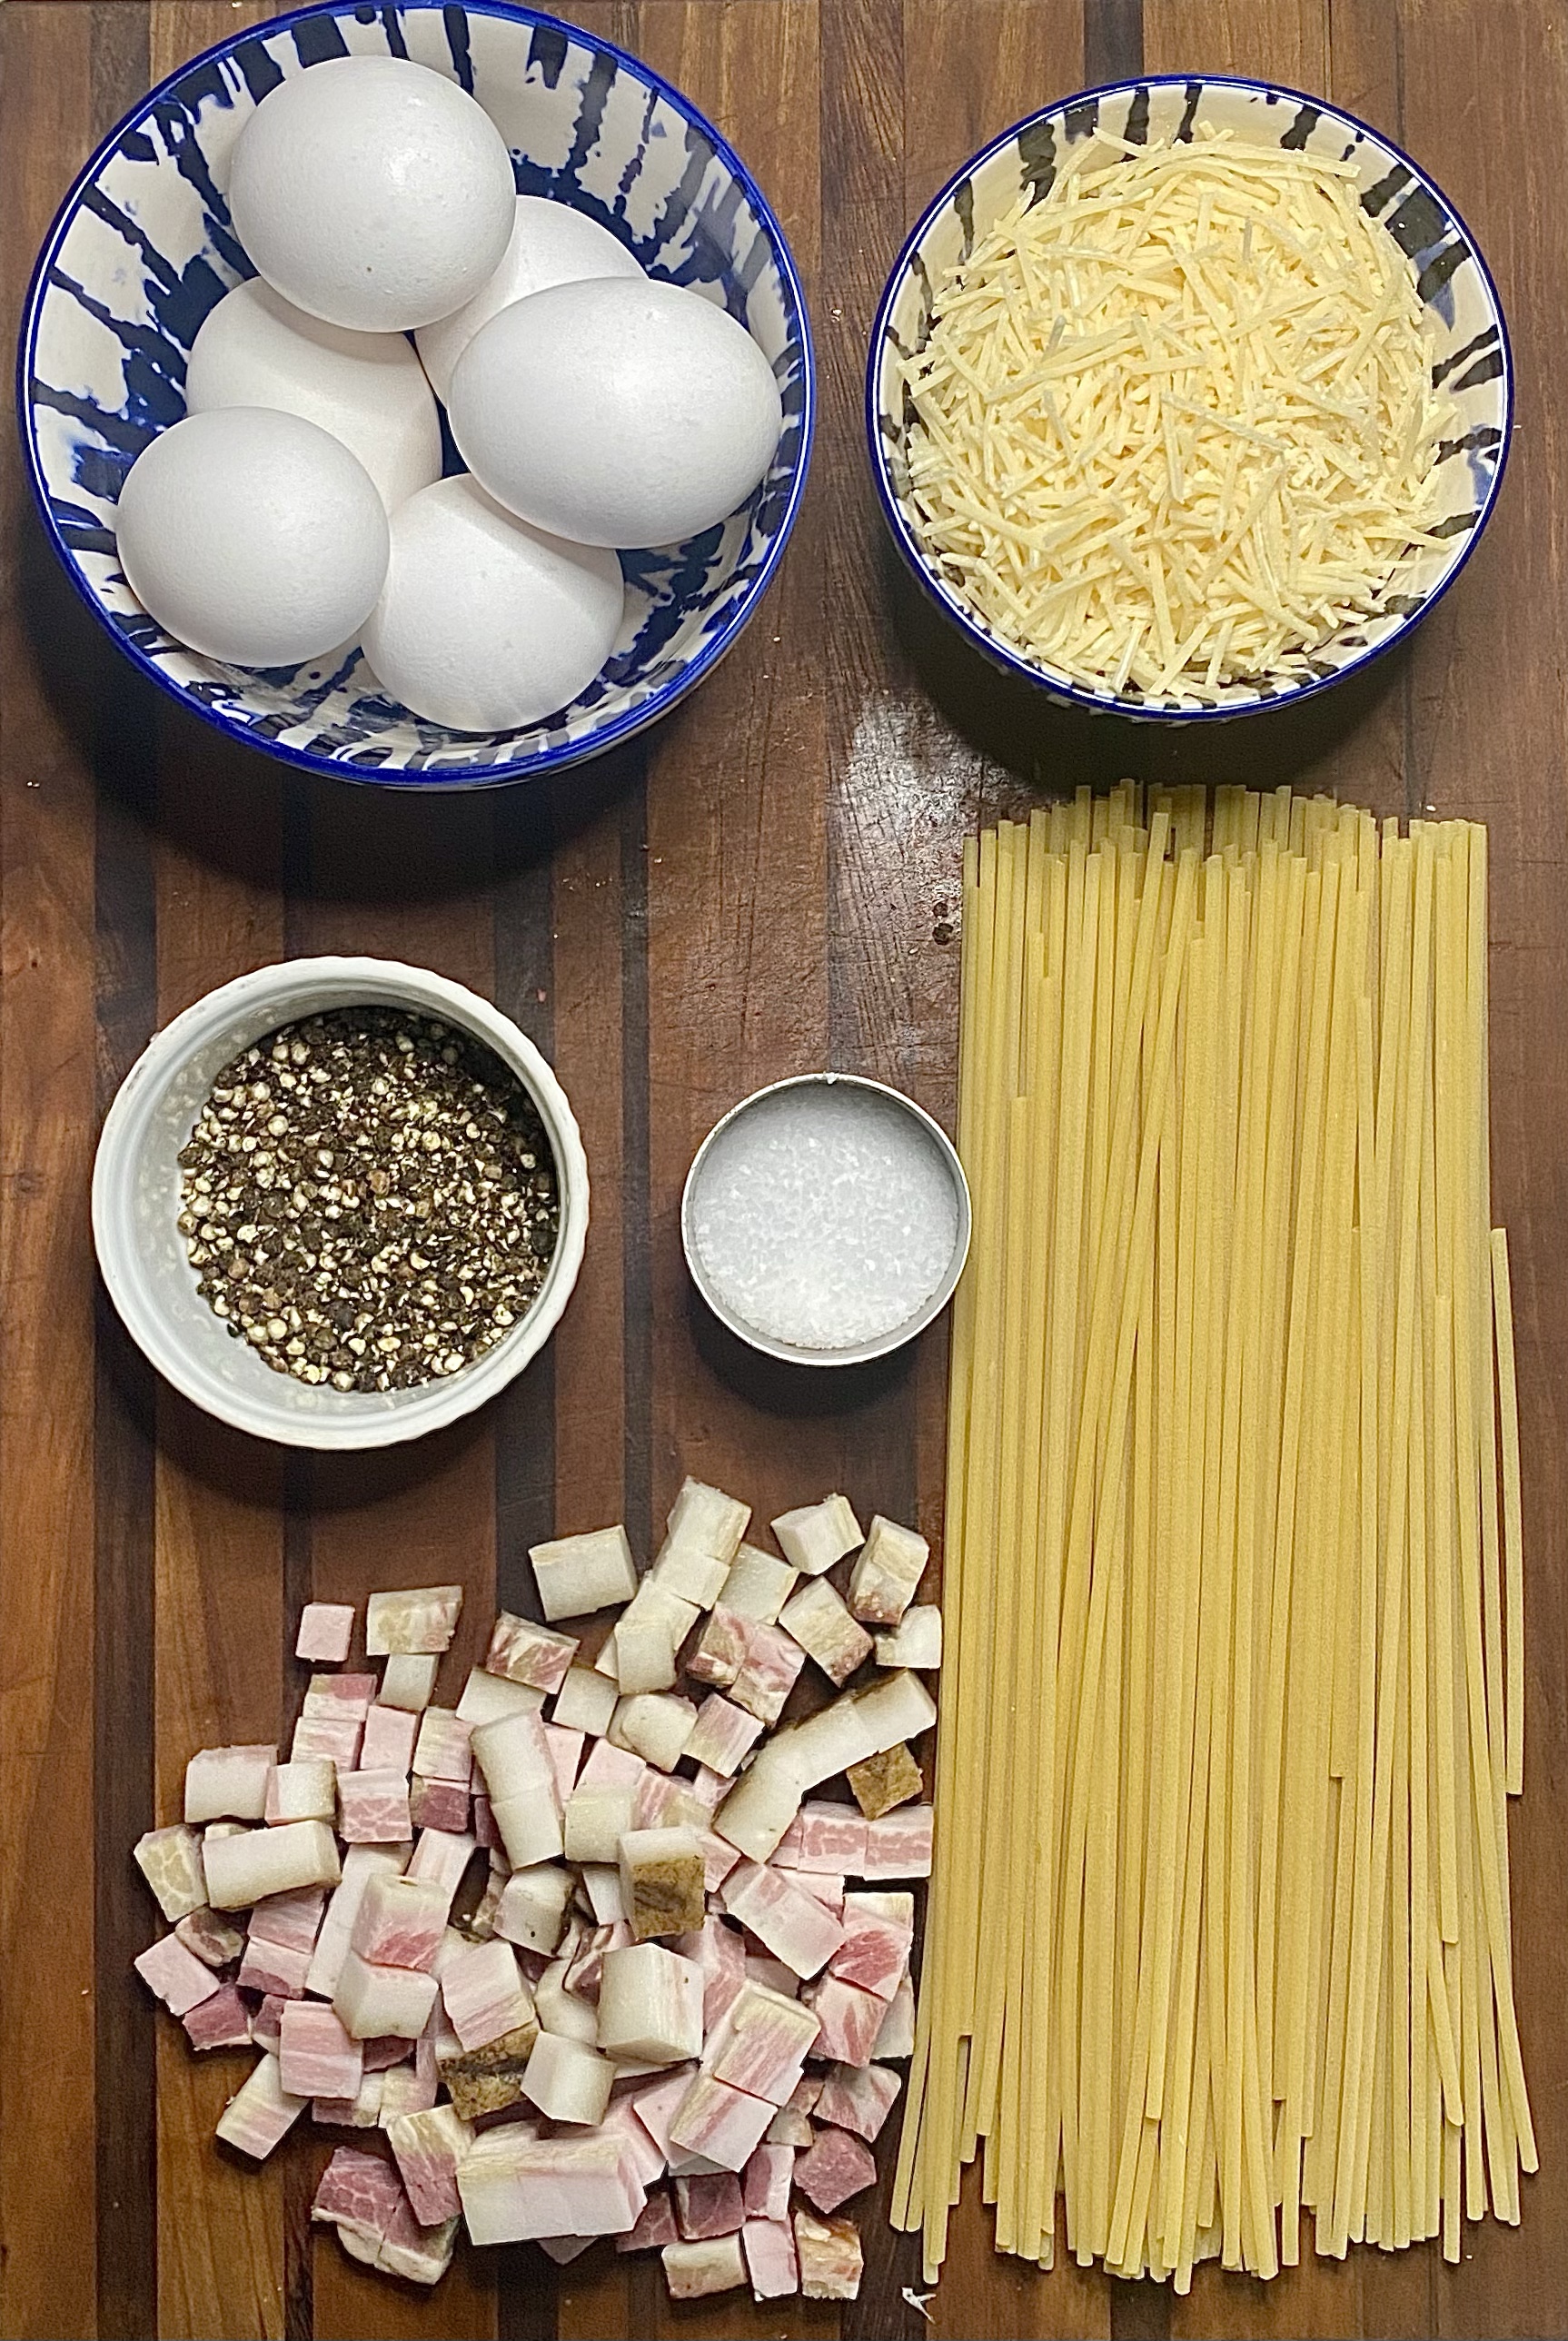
[(1220, 1925)]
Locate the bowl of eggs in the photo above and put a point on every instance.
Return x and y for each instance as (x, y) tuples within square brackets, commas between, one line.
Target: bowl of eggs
[(1188, 396), (423, 395)]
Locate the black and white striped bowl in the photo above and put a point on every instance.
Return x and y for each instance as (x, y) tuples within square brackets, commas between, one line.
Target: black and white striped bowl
[(1472, 361), (143, 247)]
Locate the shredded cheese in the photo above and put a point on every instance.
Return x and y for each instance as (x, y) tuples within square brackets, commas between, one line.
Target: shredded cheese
[(1173, 425)]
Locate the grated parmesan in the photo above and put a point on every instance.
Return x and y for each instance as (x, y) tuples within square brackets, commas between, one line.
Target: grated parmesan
[(1174, 426)]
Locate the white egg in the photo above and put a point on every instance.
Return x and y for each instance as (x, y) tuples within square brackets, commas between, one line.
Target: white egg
[(551, 244), (485, 623), (616, 413), (369, 390), (253, 536), (373, 193)]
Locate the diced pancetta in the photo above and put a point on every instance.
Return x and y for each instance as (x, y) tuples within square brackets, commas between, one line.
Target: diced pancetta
[(438, 1805), (527, 1653), (293, 1919), (175, 1976), (875, 1952), (899, 1844), (890, 1564), (850, 2018), (373, 1807), (516, 2187), (227, 1783), (709, 2205), (720, 2123), (815, 1536), (758, 1585), (485, 1995), (765, 2182), (222, 2021), (316, 2058), (260, 2113), (325, 1631), (836, 2165), (692, 2271), (768, 2247), (170, 1859), (400, 1923), (858, 2097), (819, 1622), (422, 1620), (769, 1671), (722, 1734), (655, 2225), (896, 2038), (794, 1928), (388, 1745), (886, 1780), (335, 1737), (830, 2257), (429, 2146), (442, 1751), (275, 1968)]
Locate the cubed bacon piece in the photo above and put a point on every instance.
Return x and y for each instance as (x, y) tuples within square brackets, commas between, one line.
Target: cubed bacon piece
[(789, 2128), (896, 2038), (340, 1695), (381, 2054), (223, 2021), (373, 2001), (440, 1859), (772, 1663), (765, 2182), (705, 1521), (578, 1574), (569, 2082), (656, 2105), (650, 2004), (419, 2255), (643, 2155), (489, 2080), (655, 2225), (820, 1623), (709, 2205), (301, 1790), (708, 1789), (361, 2112), (358, 2188), (793, 1928), (885, 1781), (513, 1759), (696, 1578), (815, 1536), (442, 1751), (210, 1937), (899, 1844), (858, 2097), (836, 2165), (400, 1923), (662, 1801), (486, 1698), (720, 2123), (601, 1884), (360, 1863), (561, 2010), (654, 1725), (325, 1631), (584, 1702), (828, 1892), (316, 2059), (174, 1976), (609, 1766), (721, 1953), (516, 2187), (293, 1919), (890, 1564), (859, 1724), (771, 1974), (429, 2146), (832, 1840), (406, 2089), (260, 2113), (566, 1749), (332, 1739), (760, 2044), (407, 1681), (227, 1783), (758, 1585), (829, 2254), (768, 2247), (849, 2019), (170, 1859), (761, 1805), (532, 1911), (723, 1735), (526, 1653), (266, 2023), (485, 1832), (692, 2271), (373, 1807), (662, 1881), (275, 1968), (875, 1952), (438, 1805), (423, 1619), (388, 1742), (718, 1860), (485, 1995), (914, 1641), (595, 1819), (721, 1651), (640, 1650)]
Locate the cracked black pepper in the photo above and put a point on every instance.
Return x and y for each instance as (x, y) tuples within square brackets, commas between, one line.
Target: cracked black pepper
[(369, 1199)]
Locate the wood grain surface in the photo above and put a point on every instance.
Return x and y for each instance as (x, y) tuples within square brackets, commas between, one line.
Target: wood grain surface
[(765, 885)]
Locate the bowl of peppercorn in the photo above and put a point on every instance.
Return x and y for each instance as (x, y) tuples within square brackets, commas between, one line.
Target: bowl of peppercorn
[(340, 1202)]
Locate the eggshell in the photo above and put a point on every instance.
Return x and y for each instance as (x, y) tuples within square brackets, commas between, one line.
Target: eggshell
[(253, 536), (551, 244), (369, 390), (373, 193), (616, 413), (485, 623)]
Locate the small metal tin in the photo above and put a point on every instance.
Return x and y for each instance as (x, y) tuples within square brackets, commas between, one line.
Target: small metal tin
[(883, 1345)]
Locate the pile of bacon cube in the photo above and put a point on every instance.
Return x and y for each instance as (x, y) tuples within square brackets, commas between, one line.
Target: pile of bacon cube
[(586, 1948)]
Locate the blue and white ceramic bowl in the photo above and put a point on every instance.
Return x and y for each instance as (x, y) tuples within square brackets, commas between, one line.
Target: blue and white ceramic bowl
[(143, 248), (1472, 362)]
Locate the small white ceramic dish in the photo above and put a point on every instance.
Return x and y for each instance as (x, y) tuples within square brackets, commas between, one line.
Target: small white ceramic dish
[(709, 1163), (136, 1199)]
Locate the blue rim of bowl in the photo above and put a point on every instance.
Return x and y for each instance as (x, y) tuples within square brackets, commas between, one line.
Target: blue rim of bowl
[(543, 760), (990, 645)]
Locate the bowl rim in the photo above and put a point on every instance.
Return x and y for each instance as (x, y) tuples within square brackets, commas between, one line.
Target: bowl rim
[(428, 993), (911, 1327), (541, 761), (990, 645)]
